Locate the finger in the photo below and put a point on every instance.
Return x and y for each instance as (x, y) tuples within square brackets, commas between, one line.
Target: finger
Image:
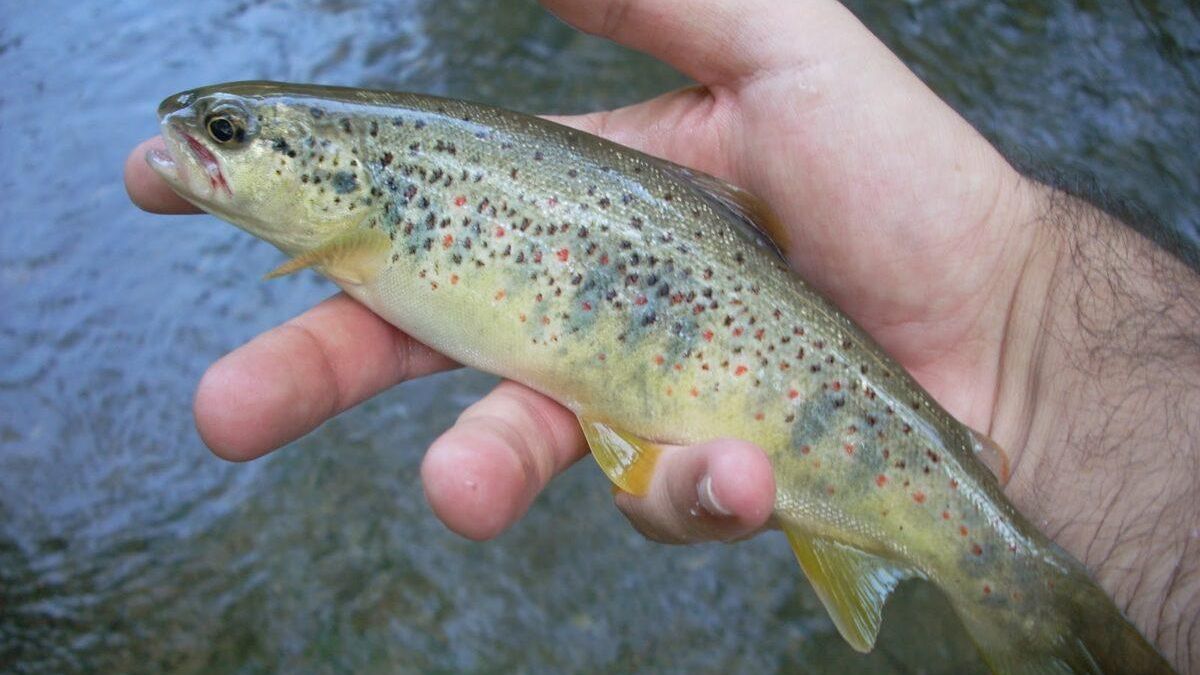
[(717, 491), (287, 381), (712, 41), (146, 188), (483, 473)]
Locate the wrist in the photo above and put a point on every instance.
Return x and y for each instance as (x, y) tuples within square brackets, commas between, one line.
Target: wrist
[(1097, 405)]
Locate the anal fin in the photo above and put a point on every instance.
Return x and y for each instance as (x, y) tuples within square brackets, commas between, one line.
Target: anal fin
[(354, 257), (852, 584), (627, 460)]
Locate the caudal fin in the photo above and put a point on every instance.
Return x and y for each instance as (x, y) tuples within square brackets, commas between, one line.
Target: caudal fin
[(1078, 630)]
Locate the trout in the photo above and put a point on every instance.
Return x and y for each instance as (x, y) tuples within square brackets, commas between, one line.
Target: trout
[(646, 298)]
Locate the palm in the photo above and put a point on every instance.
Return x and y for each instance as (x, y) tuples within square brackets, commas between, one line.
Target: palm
[(886, 220)]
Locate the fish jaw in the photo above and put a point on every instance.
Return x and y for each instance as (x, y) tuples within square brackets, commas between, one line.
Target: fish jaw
[(190, 168)]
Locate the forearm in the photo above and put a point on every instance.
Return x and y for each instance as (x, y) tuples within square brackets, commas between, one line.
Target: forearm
[(1100, 404)]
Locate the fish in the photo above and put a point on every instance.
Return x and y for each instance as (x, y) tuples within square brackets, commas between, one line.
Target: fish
[(652, 301)]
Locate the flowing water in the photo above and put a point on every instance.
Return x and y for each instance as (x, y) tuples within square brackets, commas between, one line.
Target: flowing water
[(126, 547)]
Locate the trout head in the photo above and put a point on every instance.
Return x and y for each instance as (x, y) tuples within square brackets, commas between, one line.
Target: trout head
[(260, 159)]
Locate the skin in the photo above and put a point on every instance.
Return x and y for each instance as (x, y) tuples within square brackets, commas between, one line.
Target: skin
[(1026, 313)]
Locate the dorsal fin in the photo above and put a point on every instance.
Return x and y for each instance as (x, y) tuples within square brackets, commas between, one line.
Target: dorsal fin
[(751, 215)]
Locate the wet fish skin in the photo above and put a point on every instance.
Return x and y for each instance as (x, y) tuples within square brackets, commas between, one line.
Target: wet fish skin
[(629, 290)]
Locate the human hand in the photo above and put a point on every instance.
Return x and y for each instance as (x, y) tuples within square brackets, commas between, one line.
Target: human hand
[(894, 207)]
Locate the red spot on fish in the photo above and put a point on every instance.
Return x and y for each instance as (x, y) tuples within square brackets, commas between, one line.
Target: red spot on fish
[(919, 497), (447, 241), (587, 306), (708, 336), (670, 391), (545, 321), (553, 201), (500, 294), (976, 549), (987, 590), (639, 300), (945, 515), (521, 317), (881, 480), (537, 257), (758, 334), (499, 232), (460, 201), (604, 259), (453, 279), (837, 385), (697, 309), (793, 394), (738, 331), (849, 448), (601, 357), (953, 484), (829, 490), (695, 392), (678, 366), (659, 359), (962, 529), (759, 416), (741, 370), (805, 449), (563, 254)]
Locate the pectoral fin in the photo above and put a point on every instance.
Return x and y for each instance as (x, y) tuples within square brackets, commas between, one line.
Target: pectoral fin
[(627, 460), (852, 584), (353, 258)]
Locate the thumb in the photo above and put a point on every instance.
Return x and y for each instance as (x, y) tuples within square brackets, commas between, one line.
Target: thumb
[(716, 491)]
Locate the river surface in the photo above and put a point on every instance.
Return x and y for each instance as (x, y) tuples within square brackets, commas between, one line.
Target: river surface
[(126, 547)]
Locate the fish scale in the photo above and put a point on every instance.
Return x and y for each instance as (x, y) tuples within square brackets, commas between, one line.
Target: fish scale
[(639, 295)]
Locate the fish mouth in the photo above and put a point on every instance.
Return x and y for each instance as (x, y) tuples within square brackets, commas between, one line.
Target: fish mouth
[(175, 172)]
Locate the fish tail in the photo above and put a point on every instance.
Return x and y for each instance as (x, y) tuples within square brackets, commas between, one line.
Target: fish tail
[(1074, 629)]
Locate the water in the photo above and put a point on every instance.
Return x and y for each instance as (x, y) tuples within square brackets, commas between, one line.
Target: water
[(126, 547)]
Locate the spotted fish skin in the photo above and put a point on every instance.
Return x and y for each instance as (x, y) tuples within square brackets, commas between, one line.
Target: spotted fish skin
[(626, 289)]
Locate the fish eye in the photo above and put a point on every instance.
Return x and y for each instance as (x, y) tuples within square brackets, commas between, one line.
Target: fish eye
[(225, 128)]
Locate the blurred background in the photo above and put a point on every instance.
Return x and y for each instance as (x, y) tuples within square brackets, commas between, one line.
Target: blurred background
[(126, 547)]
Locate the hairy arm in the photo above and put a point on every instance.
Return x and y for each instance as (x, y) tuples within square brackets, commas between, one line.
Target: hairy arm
[(1099, 400)]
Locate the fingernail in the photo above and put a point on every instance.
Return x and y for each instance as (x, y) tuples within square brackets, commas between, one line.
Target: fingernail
[(708, 499)]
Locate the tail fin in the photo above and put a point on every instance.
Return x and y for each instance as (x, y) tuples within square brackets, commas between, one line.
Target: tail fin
[(1076, 630)]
